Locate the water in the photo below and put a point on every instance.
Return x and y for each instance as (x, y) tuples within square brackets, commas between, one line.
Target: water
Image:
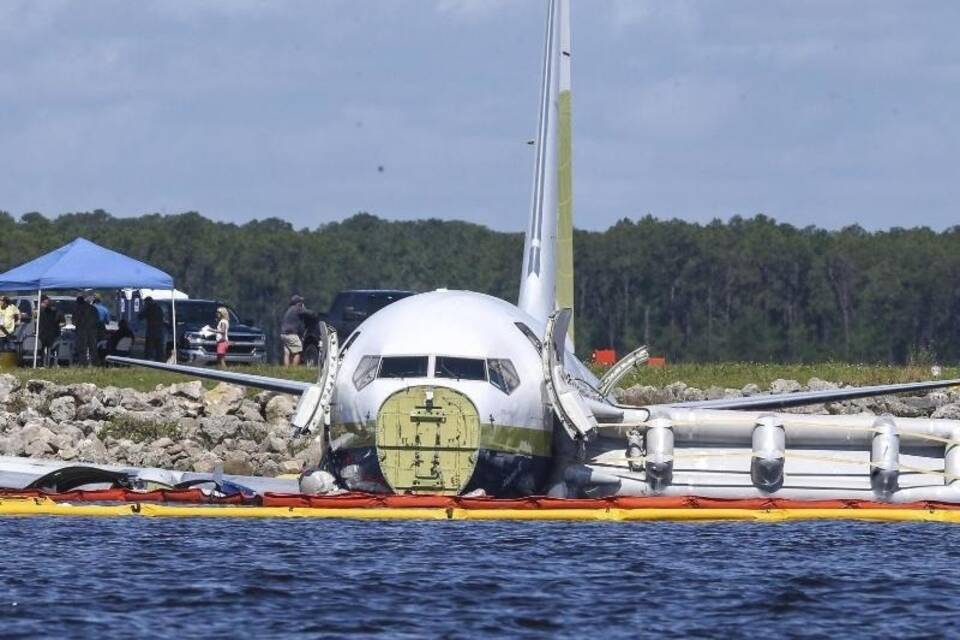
[(216, 578)]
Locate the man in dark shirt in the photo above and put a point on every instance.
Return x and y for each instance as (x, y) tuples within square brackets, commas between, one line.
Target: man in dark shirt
[(291, 331), (48, 332), (153, 315), (85, 319)]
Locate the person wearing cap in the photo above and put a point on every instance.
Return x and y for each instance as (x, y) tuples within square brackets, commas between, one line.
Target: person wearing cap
[(291, 328), (9, 316)]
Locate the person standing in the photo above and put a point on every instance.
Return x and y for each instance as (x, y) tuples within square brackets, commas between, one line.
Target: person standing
[(153, 315), (9, 316), (223, 336), (85, 319), (291, 330), (50, 322)]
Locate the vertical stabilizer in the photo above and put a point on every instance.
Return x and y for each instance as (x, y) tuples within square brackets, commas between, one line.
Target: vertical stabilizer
[(564, 284), (538, 273)]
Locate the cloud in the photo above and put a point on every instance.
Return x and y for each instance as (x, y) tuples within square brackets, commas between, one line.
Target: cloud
[(471, 10), (814, 112), (677, 15)]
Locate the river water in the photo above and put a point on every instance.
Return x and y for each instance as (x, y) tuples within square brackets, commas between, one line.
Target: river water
[(138, 577)]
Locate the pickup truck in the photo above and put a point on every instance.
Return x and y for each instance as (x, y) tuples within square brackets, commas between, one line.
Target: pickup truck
[(348, 310), (248, 344)]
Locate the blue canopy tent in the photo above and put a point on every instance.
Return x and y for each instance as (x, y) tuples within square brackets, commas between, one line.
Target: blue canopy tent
[(82, 264)]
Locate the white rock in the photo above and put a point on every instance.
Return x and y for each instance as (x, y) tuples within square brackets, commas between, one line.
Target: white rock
[(8, 384), (950, 411), (217, 429), (222, 400), (192, 390), (63, 409), (82, 392), (249, 411), (273, 444), (816, 384), (236, 463), (784, 386), (280, 408), (91, 449), (291, 466)]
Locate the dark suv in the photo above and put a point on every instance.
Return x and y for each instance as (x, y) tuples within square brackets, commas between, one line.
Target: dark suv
[(348, 310)]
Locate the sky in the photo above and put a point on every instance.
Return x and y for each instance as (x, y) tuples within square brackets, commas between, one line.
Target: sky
[(815, 113)]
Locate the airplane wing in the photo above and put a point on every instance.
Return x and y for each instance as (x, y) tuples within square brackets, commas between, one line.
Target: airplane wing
[(267, 383), (801, 398)]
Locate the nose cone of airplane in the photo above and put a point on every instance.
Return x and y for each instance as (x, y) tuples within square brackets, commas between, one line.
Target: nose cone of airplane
[(427, 440)]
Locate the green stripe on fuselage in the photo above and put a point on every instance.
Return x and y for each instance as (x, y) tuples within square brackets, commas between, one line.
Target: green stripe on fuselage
[(506, 439), (564, 248)]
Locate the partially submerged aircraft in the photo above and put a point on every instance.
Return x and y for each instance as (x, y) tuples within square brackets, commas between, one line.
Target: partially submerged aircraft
[(457, 392)]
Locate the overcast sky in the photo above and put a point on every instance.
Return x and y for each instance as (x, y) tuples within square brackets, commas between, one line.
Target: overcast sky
[(827, 113)]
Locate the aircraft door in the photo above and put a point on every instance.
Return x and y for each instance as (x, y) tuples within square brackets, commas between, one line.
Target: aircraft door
[(427, 440)]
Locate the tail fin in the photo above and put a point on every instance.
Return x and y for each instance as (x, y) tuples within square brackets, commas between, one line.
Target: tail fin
[(538, 272)]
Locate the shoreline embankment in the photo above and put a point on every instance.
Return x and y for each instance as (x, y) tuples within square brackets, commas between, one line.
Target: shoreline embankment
[(186, 427)]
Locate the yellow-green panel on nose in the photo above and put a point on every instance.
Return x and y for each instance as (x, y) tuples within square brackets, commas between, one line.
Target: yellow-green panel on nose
[(427, 439)]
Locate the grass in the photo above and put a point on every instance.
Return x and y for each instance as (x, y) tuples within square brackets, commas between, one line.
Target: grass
[(724, 374), (147, 379), (739, 374)]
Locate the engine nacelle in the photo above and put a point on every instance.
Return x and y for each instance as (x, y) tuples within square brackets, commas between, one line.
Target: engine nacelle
[(766, 463), (658, 465)]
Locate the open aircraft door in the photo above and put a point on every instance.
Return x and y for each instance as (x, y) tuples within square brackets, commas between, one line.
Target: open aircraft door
[(565, 398), (313, 409)]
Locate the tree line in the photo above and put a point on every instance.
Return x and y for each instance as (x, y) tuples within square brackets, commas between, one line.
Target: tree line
[(745, 289)]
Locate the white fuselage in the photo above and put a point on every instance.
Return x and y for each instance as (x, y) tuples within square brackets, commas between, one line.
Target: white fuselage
[(515, 422)]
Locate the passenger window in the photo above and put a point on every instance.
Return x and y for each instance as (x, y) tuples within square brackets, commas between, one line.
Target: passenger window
[(503, 375), (403, 367), (460, 368), (366, 371)]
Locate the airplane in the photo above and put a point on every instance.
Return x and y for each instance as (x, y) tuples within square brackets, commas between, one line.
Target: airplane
[(462, 393)]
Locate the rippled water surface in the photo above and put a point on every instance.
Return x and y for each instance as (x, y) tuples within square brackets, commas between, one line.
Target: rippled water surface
[(213, 578)]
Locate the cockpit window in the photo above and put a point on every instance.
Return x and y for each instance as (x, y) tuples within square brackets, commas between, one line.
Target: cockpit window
[(503, 375), (403, 367), (460, 368), (531, 336), (350, 340), (366, 371)]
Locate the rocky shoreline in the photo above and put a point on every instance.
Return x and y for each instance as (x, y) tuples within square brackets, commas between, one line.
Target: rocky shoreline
[(180, 426), (185, 427), (942, 403)]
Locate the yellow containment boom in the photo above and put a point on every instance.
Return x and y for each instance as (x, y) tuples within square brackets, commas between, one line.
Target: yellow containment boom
[(47, 507)]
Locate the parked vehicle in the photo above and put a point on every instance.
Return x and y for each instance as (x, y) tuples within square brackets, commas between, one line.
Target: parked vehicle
[(349, 309), (248, 344)]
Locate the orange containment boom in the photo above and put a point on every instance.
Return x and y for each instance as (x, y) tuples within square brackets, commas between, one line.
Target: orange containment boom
[(194, 503)]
